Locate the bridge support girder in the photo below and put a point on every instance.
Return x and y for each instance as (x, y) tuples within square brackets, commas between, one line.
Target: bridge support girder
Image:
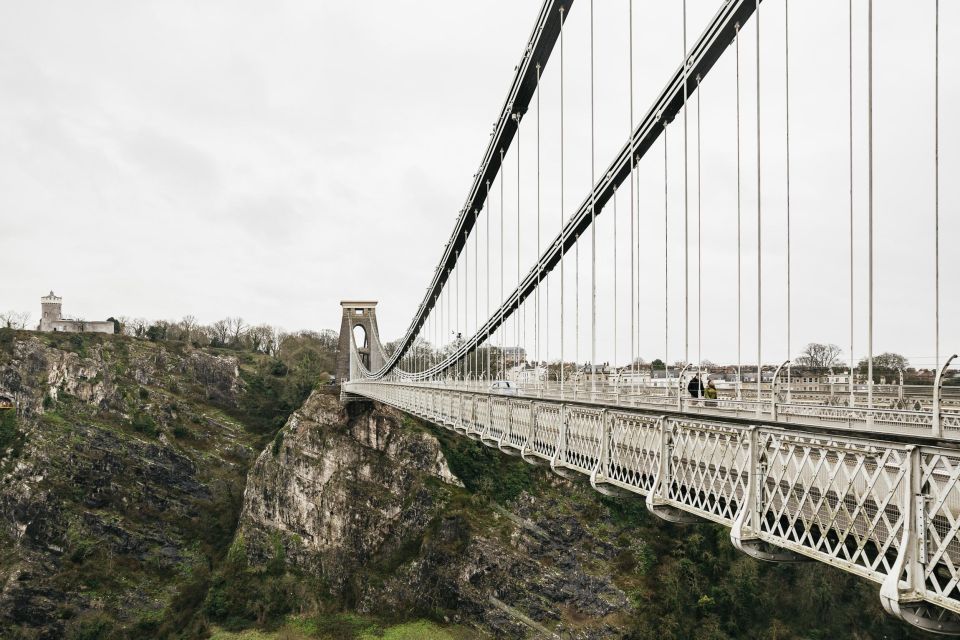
[(923, 615), (763, 550), (671, 513), (902, 592), (347, 398)]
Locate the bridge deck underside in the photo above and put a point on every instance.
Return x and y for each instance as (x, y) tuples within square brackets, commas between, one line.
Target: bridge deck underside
[(850, 501)]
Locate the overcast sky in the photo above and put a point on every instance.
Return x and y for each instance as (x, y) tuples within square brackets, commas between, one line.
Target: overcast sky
[(268, 159)]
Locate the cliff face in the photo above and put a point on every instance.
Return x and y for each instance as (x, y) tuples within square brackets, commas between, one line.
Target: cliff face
[(366, 498), (123, 476), (339, 488)]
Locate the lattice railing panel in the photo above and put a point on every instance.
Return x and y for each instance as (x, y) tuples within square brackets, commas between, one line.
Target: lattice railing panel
[(709, 468), (583, 436), (940, 547), (842, 500), (469, 416), (520, 424), (499, 418), (446, 411), (634, 452), (546, 432), (481, 410)]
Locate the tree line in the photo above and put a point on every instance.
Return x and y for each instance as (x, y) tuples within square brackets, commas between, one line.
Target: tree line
[(232, 332)]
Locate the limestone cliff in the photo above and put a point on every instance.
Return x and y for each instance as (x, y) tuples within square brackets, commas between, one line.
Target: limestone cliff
[(123, 477), (366, 498)]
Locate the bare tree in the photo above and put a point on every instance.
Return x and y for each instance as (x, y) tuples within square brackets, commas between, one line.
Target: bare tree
[(275, 341), (260, 338), (188, 327), (219, 331), (236, 328), (15, 319), (137, 327), (816, 354)]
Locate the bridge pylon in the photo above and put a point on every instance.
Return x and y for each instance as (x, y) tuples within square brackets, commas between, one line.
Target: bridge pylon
[(363, 314)]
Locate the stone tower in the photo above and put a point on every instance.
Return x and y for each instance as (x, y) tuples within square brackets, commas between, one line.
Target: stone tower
[(50, 311), (359, 313)]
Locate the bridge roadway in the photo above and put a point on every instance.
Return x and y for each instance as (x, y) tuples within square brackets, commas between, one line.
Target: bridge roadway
[(880, 503), (809, 406)]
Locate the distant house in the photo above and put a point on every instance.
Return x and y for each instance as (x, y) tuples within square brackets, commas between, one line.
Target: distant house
[(51, 319), (514, 354), (527, 373)]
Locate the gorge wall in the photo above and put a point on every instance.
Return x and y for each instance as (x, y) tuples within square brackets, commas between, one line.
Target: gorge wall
[(404, 519), (139, 498)]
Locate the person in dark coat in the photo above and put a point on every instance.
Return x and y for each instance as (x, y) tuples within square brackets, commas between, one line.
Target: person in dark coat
[(695, 387)]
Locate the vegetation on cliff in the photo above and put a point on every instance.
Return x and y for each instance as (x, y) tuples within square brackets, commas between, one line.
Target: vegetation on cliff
[(148, 491), (516, 551), (122, 475)]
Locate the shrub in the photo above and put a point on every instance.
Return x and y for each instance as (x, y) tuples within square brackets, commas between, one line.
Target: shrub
[(9, 434), (143, 423), (96, 626), (485, 471), (277, 443), (77, 344), (181, 432)]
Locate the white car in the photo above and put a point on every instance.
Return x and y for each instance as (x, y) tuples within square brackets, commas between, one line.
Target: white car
[(504, 388)]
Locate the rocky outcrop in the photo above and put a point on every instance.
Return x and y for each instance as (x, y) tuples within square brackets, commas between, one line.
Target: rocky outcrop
[(96, 373), (338, 487), (118, 486), (366, 499)]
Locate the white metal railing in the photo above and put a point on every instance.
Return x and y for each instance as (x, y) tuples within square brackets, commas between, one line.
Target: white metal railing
[(884, 510), (860, 418)]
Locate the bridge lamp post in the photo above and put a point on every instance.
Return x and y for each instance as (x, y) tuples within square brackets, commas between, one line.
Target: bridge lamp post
[(773, 389), (680, 386), (937, 389)]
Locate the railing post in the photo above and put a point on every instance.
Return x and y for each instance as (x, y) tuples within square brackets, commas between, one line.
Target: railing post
[(746, 524), (912, 550), (749, 513), (600, 468), (654, 502), (530, 432), (508, 430), (556, 462), (458, 421), (489, 420)]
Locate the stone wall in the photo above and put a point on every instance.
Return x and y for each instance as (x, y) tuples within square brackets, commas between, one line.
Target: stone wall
[(77, 326)]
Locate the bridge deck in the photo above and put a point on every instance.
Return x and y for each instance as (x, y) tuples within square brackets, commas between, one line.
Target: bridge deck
[(806, 408), (882, 507)]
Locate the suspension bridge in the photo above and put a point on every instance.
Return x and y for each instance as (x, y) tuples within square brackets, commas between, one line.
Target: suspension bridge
[(523, 345)]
